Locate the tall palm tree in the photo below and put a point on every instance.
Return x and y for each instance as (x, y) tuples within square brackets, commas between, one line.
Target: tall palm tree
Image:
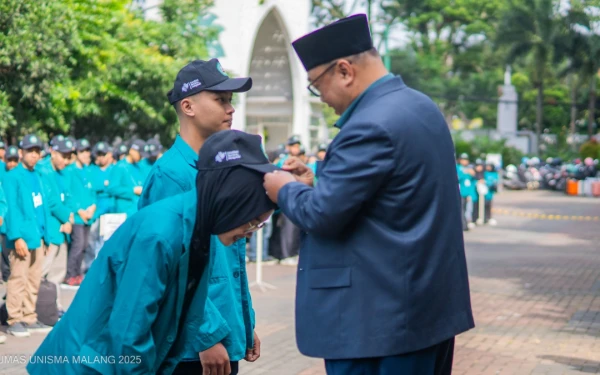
[(581, 47), (529, 28)]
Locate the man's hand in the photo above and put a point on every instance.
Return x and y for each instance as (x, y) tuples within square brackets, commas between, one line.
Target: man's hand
[(215, 361), (1, 220), (66, 228), (275, 181), (72, 218), (301, 172), (21, 248), (137, 190), (254, 353)]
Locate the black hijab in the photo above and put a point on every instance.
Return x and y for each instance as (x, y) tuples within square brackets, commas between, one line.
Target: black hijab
[(227, 199)]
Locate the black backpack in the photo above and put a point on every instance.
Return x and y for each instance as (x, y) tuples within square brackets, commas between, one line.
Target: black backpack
[(46, 308), (46, 305)]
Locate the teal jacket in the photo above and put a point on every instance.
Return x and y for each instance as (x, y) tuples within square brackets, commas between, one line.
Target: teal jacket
[(146, 166), (491, 180), (124, 177), (124, 317), (61, 211), (104, 201), (82, 192), (2, 170), (229, 316), (466, 183), (21, 220), (3, 208), (172, 174)]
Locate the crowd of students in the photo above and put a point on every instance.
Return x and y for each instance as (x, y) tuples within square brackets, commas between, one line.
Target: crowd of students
[(52, 197)]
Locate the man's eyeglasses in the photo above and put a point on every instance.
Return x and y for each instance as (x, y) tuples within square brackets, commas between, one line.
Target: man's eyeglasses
[(311, 86), (254, 228)]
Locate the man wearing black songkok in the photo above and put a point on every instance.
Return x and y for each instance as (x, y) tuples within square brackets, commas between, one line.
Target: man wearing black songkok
[(382, 279)]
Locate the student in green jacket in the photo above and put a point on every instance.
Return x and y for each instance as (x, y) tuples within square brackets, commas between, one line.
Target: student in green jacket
[(61, 219), (27, 238), (127, 180), (12, 160), (83, 204), (141, 306), (3, 209), (201, 97), (152, 152), (100, 176)]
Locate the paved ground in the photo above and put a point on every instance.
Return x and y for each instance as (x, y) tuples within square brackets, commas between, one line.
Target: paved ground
[(535, 289)]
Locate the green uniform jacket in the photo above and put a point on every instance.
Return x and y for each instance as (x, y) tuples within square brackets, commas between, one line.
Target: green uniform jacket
[(61, 211), (125, 316), (229, 316), (124, 177), (21, 221)]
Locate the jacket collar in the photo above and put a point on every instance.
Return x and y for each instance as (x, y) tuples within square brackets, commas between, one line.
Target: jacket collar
[(348, 112), (189, 155)]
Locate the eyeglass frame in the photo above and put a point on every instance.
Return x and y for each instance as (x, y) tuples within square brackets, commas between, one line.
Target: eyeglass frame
[(311, 84), (254, 228)]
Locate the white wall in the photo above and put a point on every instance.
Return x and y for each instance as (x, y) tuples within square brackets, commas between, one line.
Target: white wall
[(241, 20)]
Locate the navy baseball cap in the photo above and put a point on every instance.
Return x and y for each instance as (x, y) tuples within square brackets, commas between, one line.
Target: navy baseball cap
[(64, 146), (322, 147), (138, 145), (202, 75), (12, 152), (232, 148), (120, 150), (31, 141), (56, 139), (294, 140), (83, 144), (100, 148), (153, 148), (2, 144)]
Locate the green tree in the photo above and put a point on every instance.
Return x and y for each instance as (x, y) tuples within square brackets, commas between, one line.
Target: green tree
[(95, 68)]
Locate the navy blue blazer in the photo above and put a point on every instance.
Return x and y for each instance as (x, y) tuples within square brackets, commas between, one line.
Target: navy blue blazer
[(382, 267)]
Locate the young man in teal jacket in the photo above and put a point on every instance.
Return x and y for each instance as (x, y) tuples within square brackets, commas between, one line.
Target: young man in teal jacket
[(83, 203), (127, 180), (12, 160), (27, 235), (3, 209), (204, 109), (100, 176), (61, 218)]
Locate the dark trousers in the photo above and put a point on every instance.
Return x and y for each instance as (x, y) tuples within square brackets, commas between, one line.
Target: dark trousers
[(290, 238), (79, 241), (475, 212), (464, 213), (435, 360), (195, 368), (4, 263), (488, 210)]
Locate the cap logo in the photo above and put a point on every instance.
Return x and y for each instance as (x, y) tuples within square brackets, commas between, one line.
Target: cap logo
[(100, 146), (220, 69), (227, 156), (33, 139), (190, 85), (69, 144)]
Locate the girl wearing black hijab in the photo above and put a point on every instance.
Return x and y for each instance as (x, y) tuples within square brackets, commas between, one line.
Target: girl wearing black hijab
[(143, 300)]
